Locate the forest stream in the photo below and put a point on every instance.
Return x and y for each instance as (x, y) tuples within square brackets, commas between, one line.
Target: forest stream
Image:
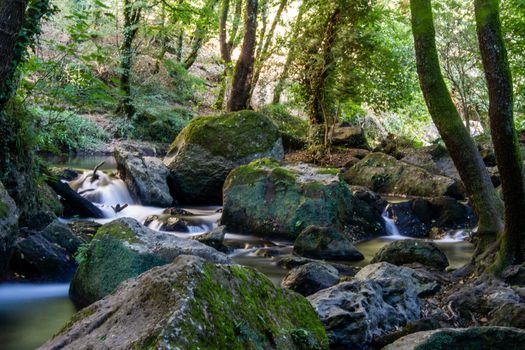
[(31, 313)]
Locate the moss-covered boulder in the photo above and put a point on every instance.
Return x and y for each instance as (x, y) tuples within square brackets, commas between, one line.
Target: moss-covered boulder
[(294, 130), (8, 228), (205, 152), (412, 251), (195, 304), (475, 338), (123, 249), (269, 199), (385, 174)]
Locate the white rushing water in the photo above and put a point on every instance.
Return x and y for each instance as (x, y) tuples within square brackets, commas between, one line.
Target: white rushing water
[(390, 225)]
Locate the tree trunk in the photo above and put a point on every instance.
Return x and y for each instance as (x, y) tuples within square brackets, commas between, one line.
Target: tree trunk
[(279, 87), (200, 34), (11, 19), (460, 145), (265, 53), (244, 69), (504, 136), (132, 14)]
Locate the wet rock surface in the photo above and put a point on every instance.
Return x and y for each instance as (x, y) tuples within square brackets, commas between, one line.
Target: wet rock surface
[(325, 243), (310, 278), (412, 251)]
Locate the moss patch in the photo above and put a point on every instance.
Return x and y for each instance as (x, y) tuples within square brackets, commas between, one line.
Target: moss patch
[(4, 210), (232, 136), (119, 231), (251, 314)]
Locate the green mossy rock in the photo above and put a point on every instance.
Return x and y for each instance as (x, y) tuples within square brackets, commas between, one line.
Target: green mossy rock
[(8, 228), (124, 249), (294, 130), (475, 338), (269, 199), (195, 304), (410, 251), (205, 152), (385, 174)]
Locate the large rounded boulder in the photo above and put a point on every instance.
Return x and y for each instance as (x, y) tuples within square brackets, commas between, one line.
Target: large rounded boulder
[(8, 228), (385, 174), (205, 152), (195, 304), (269, 199), (124, 249)]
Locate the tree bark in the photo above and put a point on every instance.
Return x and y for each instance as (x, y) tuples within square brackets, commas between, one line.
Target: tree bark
[(460, 145), (244, 69), (132, 13), (504, 136), (11, 19)]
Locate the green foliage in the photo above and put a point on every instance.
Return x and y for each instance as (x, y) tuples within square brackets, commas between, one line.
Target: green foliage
[(81, 254), (184, 85), (64, 131)]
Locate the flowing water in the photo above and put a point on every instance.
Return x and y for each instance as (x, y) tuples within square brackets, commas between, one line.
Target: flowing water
[(30, 314)]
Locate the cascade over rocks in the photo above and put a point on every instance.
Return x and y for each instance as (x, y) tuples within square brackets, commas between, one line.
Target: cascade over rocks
[(123, 249), (205, 152), (417, 217), (146, 177), (410, 251), (269, 199), (479, 338), (385, 174), (195, 304), (8, 228)]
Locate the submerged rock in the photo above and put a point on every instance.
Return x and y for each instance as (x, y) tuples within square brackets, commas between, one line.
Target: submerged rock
[(214, 238), (385, 174), (310, 278), (146, 177), (354, 313), (194, 304), (410, 251), (325, 243), (269, 199), (8, 228), (123, 249), (210, 147), (478, 338)]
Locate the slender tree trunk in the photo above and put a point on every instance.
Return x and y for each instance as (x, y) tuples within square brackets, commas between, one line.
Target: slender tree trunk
[(200, 34), (265, 51), (460, 145), (132, 14), (227, 46), (504, 136), (244, 69), (279, 87)]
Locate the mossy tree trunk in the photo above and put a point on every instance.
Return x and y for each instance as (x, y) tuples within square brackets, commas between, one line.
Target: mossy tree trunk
[(201, 32), (227, 45), (132, 13), (504, 136), (242, 78), (460, 145)]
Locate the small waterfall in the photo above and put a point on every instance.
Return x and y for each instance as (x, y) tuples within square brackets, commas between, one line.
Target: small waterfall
[(105, 189), (390, 225)]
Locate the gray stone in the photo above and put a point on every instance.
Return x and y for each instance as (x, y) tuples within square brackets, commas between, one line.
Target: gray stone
[(325, 243), (8, 228), (410, 251), (146, 177), (310, 278)]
